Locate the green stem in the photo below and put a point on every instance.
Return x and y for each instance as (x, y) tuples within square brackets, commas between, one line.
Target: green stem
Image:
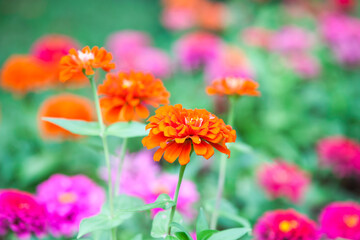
[(173, 209), (121, 164), (222, 170), (105, 146)]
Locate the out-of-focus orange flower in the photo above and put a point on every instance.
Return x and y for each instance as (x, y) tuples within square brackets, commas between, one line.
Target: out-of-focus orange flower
[(177, 131), (124, 96), (233, 86), (68, 106), (211, 15), (85, 60), (21, 74)]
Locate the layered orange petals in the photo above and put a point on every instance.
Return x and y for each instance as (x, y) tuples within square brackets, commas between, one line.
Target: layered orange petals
[(21, 74), (125, 96), (64, 106), (86, 60), (233, 86), (178, 131)]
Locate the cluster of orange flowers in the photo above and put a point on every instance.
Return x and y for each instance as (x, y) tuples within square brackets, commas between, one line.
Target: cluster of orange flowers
[(233, 86), (177, 131)]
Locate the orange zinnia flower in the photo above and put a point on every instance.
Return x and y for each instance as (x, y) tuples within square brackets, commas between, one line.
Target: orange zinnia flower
[(177, 131), (21, 74), (233, 86), (68, 106), (125, 96), (85, 60)]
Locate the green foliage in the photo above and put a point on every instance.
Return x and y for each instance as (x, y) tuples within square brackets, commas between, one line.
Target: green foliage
[(159, 227), (127, 129), (76, 126)]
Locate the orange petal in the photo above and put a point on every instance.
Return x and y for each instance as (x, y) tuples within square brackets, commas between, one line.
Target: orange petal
[(201, 148), (172, 152), (158, 154), (142, 111), (184, 157)]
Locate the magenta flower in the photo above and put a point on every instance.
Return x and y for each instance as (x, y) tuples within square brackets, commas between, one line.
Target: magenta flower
[(341, 220), (197, 49), (21, 213), (282, 179), (291, 39), (342, 155), (285, 225), (51, 48), (68, 200), (141, 168), (343, 35), (305, 65), (132, 51), (231, 61)]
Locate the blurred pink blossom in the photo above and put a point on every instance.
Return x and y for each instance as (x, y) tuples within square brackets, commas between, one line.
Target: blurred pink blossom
[(341, 220), (68, 200), (342, 155), (282, 179), (285, 225), (178, 19), (343, 35), (291, 39), (141, 177), (22, 214), (196, 50), (305, 65), (133, 51), (257, 37)]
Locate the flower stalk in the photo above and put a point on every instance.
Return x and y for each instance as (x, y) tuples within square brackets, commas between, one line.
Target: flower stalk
[(222, 170), (105, 146), (121, 164), (173, 209)]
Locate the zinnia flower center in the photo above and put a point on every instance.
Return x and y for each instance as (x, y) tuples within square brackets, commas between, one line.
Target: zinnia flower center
[(351, 220), (67, 198), (286, 226), (85, 56), (234, 82), (23, 206), (161, 188), (197, 122), (127, 83)]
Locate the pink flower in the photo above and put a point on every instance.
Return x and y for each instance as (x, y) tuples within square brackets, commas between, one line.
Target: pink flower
[(305, 65), (51, 48), (230, 62), (291, 39), (178, 19), (341, 154), (257, 37), (141, 168), (21, 213), (132, 51), (285, 225), (343, 35), (68, 200), (341, 220), (282, 179), (197, 49)]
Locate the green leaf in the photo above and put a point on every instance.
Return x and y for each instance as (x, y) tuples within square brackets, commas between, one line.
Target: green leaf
[(201, 222), (171, 238), (240, 147), (230, 234), (138, 237), (204, 235), (182, 231), (160, 223), (127, 129), (76, 126)]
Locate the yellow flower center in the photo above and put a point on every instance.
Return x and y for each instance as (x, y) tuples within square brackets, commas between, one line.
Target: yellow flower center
[(160, 189), (197, 122), (67, 198), (127, 83), (24, 206), (234, 82), (286, 226), (84, 57), (351, 220)]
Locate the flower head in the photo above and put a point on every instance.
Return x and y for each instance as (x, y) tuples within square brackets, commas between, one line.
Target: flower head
[(21, 213), (341, 154), (68, 200), (85, 60), (281, 179), (233, 86), (125, 96), (63, 106), (341, 220), (177, 131), (285, 225), (21, 74), (197, 49)]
